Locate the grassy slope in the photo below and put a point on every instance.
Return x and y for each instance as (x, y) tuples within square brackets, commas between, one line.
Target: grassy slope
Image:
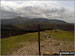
[(62, 35), (9, 44)]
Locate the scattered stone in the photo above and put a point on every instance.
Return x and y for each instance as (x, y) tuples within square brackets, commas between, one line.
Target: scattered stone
[(48, 46)]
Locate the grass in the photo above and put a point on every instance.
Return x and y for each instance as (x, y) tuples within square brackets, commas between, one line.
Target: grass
[(8, 45), (62, 35)]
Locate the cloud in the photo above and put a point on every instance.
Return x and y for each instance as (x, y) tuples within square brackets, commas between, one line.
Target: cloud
[(45, 9), (8, 4)]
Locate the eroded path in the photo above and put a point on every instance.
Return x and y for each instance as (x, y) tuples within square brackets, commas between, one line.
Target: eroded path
[(48, 46)]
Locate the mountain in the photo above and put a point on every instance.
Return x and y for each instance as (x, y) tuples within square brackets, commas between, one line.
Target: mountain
[(44, 20), (32, 24), (21, 25), (16, 20)]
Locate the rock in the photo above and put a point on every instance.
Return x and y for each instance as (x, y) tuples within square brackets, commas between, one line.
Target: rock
[(42, 45), (61, 43)]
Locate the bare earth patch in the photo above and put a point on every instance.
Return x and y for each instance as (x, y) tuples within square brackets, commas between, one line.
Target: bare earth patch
[(48, 46)]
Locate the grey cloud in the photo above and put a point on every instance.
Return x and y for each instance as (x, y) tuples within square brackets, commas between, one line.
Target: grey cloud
[(50, 13), (7, 14), (33, 11)]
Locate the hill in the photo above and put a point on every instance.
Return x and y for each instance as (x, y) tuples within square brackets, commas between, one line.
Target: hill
[(10, 30), (30, 40), (22, 25), (45, 24), (16, 20)]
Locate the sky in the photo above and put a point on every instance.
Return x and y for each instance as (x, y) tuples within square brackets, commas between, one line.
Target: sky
[(63, 10)]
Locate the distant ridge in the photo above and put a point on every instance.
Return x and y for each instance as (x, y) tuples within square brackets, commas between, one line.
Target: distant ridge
[(22, 25), (16, 20), (44, 20)]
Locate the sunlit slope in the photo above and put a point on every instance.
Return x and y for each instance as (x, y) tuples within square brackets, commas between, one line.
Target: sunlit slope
[(61, 35), (12, 43), (15, 42)]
